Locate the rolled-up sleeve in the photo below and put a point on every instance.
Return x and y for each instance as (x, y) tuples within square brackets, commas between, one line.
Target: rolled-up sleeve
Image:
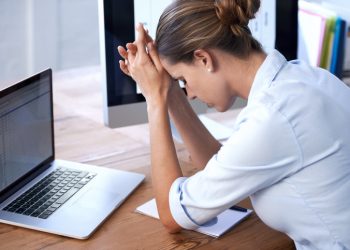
[(262, 151), (178, 211)]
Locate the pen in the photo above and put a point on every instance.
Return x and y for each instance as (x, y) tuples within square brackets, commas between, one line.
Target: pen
[(238, 208)]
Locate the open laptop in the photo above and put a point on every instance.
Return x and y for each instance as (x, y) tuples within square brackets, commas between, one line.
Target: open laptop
[(36, 190)]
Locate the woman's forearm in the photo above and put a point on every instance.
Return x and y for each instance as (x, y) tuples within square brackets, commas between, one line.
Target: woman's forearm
[(146, 69), (165, 165), (198, 140)]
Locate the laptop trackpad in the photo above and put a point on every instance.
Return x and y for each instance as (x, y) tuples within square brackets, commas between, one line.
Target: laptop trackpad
[(95, 198)]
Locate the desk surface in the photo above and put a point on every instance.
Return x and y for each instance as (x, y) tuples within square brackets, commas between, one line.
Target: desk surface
[(81, 136)]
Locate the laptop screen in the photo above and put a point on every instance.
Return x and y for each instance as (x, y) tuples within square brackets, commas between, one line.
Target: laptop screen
[(26, 130)]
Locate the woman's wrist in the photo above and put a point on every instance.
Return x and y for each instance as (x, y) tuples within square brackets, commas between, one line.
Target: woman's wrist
[(156, 103), (175, 92)]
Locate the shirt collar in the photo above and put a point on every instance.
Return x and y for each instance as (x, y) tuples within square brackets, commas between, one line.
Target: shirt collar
[(267, 72)]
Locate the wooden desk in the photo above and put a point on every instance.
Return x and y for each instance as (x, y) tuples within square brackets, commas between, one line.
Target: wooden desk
[(81, 136)]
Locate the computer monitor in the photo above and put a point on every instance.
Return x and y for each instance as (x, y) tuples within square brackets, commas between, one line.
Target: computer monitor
[(123, 104), (287, 28)]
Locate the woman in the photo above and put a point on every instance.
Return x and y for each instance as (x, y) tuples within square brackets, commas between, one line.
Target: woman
[(289, 150)]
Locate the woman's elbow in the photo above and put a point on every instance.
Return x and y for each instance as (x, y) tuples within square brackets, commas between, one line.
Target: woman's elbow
[(171, 226)]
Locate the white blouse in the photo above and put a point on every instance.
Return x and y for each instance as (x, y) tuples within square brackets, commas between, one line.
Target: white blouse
[(290, 152)]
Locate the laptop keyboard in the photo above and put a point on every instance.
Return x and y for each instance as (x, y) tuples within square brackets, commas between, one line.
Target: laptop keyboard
[(45, 197)]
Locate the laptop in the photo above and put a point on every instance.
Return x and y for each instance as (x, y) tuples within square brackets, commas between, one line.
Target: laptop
[(38, 191)]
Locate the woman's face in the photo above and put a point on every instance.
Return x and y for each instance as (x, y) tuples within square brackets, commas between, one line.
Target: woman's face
[(209, 87)]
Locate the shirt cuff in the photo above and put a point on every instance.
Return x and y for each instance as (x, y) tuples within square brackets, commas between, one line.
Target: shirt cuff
[(177, 210)]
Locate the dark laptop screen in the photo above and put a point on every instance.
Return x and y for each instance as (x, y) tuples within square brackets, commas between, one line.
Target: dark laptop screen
[(26, 132)]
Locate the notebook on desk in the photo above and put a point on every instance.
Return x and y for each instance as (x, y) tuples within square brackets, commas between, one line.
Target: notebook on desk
[(36, 190), (223, 222)]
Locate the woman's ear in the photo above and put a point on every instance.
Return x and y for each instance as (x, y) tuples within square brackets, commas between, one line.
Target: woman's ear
[(203, 58)]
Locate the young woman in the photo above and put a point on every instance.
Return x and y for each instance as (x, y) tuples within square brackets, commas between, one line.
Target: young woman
[(290, 147)]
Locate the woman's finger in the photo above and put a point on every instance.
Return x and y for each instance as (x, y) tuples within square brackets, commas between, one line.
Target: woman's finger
[(141, 41), (131, 47), (122, 52), (131, 58), (152, 52), (124, 67), (148, 37), (123, 64)]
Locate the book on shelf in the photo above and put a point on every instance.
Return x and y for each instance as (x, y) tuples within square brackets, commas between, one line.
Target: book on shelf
[(337, 60), (322, 37), (310, 39)]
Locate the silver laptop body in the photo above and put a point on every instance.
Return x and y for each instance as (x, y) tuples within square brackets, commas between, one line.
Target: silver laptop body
[(39, 192)]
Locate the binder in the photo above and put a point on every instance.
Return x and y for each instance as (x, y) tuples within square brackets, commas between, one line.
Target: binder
[(338, 51), (323, 37), (311, 29), (328, 43)]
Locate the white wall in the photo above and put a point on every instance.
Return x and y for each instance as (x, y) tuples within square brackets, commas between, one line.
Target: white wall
[(341, 7), (12, 38), (38, 34)]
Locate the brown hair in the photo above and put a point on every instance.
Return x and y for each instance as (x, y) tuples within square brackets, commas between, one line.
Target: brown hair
[(187, 25)]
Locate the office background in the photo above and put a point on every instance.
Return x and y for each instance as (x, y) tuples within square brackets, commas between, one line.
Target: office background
[(61, 34), (37, 34)]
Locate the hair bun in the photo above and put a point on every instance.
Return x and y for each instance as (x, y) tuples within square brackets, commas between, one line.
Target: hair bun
[(236, 12)]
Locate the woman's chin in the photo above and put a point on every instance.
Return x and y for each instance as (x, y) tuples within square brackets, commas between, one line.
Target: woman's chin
[(218, 108), (221, 109)]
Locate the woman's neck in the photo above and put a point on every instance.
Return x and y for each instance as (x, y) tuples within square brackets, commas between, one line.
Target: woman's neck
[(240, 73)]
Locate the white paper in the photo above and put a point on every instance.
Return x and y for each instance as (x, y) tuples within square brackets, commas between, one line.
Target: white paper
[(225, 221)]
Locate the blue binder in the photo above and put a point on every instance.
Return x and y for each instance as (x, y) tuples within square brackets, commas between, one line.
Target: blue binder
[(337, 60)]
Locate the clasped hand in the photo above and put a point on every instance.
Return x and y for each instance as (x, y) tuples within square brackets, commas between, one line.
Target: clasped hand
[(142, 63)]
